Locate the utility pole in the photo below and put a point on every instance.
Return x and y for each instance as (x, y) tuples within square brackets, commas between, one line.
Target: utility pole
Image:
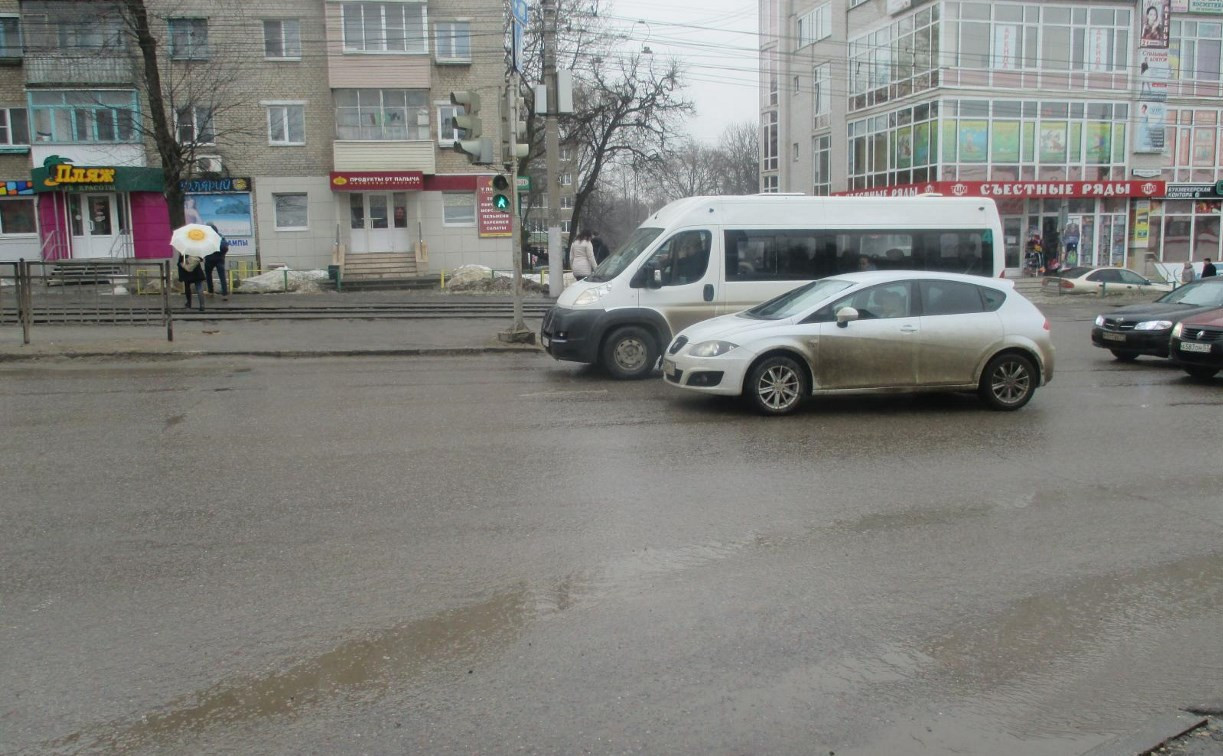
[(556, 255), (518, 332)]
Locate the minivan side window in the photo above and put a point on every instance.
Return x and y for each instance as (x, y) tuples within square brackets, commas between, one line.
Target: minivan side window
[(682, 259), (772, 255), (807, 254)]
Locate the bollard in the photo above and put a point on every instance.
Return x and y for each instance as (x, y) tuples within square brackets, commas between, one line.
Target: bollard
[(286, 277), (442, 286)]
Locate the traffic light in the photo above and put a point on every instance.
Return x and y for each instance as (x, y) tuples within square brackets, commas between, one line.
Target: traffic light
[(501, 193), (514, 145), (478, 149)]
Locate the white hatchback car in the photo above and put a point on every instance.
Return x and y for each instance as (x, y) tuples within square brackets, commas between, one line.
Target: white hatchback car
[(1100, 280), (871, 332)]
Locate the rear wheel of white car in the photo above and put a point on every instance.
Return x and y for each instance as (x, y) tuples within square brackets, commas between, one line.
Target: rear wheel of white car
[(629, 353), (1201, 372), (776, 386), (1008, 382)]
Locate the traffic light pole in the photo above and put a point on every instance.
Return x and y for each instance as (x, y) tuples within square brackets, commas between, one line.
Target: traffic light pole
[(556, 254), (517, 333)]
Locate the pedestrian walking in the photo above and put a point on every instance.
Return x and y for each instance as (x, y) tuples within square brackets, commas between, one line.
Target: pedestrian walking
[(1187, 273), (582, 256), (216, 261), (191, 274), (1208, 270)]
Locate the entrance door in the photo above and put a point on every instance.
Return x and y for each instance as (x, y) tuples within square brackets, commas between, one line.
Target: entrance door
[(98, 221), (379, 222)]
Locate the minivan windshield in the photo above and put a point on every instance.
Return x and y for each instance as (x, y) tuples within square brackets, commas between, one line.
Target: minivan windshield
[(796, 300), (618, 261), (1197, 294)]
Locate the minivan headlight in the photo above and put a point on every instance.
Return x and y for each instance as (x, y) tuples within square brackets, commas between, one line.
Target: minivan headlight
[(590, 296), (1153, 325), (711, 348)]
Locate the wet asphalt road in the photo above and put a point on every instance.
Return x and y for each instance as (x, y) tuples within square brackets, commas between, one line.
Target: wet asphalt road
[(504, 553)]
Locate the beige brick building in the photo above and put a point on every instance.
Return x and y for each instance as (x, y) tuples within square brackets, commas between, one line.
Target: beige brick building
[(319, 128)]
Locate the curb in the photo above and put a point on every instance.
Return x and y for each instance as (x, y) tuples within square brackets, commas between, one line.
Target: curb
[(1150, 736), (275, 354)]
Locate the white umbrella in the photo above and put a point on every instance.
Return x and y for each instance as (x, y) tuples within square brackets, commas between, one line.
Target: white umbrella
[(195, 239)]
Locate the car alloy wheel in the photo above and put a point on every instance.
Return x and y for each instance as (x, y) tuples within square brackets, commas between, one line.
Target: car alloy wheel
[(1008, 382), (777, 385)]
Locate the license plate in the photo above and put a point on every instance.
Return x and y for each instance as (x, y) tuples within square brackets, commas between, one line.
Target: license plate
[(543, 338), (668, 368), (1114, 337), (1189, 346)]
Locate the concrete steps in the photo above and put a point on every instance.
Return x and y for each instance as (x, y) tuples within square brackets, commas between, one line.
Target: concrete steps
[(379, 266)]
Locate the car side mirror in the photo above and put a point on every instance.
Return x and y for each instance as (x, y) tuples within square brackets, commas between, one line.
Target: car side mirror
[(845, 315)]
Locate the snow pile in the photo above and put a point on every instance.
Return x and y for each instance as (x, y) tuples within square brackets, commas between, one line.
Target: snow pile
[(283, 280), (480, 279)]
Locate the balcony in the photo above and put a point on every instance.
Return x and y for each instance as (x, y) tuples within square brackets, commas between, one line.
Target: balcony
[(78, 67)]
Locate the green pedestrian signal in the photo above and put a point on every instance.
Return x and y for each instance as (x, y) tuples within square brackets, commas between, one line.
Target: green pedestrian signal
[(501, 193)]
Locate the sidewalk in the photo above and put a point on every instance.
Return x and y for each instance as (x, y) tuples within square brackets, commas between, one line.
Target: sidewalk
[(272, 338)]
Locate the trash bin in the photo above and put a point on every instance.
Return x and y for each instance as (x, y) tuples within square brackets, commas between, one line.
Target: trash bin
[(333, 272)]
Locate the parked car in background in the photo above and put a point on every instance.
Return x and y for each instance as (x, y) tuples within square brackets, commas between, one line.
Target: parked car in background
[(1146, 329), (1085, 280), (1197, 344), (871, 332)]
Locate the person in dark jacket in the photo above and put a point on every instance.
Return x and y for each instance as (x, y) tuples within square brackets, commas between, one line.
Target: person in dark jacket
[(1208, 269), (216, 261), (191, 274)]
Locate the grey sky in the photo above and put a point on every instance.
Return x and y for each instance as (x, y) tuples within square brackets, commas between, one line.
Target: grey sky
[(716, 42)]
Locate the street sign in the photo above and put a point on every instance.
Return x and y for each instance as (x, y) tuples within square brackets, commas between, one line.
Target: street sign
[(519, 10), (1192, 191), (524, 183)]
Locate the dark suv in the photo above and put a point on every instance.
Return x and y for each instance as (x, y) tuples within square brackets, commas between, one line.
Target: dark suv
[(1135, 330), (1197, 344)]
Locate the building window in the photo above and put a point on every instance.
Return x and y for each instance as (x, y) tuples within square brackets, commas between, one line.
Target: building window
[(382, 114), (75, 30), (821, 165), (796, 84), (821, 84), (188, 38), (896, 60), (282, 39), (815, 25), (794, 152), (286, 123), (566, 179), (453, 41), (83, 116), (447, 134), (10, 37), (768, 73), (1195, 48), (194, 125), (769, 184), (384, 27), (1193, 144), (769, 143), (565, 153), (14, 127), (566, 202), (458, 209), (565, 226), (17, 217), (291, 211)]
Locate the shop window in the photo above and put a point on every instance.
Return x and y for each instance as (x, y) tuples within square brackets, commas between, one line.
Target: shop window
[(17, 217), (458, 209), (291, 211)]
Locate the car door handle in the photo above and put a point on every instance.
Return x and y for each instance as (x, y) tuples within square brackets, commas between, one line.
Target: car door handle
[(908, 329)]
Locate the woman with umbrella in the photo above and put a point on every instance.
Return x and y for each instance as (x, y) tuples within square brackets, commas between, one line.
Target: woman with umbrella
[(194, 242)]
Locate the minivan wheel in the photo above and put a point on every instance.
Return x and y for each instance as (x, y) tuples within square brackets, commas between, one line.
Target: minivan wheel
[(1008, 382), (629, 353), (1123, 356), (1201, 372), (776, 386)]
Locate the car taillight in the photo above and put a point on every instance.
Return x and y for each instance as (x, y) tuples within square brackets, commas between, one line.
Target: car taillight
[(1065, 284), (1047, 326)]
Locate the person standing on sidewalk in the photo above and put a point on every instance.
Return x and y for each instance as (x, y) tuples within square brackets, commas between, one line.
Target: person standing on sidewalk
[(582, 256), (1208, 269), (216, 261), (1187, 273), (191, 274)]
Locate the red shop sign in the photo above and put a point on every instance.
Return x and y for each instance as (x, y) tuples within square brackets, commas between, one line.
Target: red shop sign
[(372, 181), (1019, 189)]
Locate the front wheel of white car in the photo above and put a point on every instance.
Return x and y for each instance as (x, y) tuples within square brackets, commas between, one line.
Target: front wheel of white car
[(776, 385), (1009, 381)]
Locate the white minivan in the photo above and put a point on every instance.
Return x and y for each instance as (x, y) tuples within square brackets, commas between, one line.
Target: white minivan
[(705, 256)]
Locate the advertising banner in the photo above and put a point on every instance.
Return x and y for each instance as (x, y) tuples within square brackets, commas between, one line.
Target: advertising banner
[(1154, 20), (1053, 142), (1097, 49), (1019, 189), (904, 147), (1099, 143), (1006, 51), (1142, 223), (373, 181), (1149, 135), (1154, 72), (973, 141)]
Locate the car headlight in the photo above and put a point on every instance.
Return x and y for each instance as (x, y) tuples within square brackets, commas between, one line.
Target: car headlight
[(711, 348), (1153, 325), (590, 296), (1176, 330), (1099, 321)]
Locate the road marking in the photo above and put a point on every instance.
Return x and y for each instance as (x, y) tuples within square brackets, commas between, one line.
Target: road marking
[(580, 392)]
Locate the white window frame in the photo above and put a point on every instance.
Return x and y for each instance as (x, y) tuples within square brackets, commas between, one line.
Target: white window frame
[(196, 49), (821, 151), (6, 129), (815, 25), (566, 179), (566, 202), (465, 223), (195, 112), (282, 39), (447, 135), (451, 36), (821, 89), (366, 47), (285, 106), (276, 211)]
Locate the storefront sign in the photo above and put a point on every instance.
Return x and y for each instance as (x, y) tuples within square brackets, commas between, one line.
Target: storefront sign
[(1198, 6), (64, 176), (1146, 172), (1019, 189), (1142, 223), (230, 212), (1192, 191), (373, 181), (215, 186), (492, 222)]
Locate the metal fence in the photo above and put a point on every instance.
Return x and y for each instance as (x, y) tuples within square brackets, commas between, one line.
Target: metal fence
[(76, 292)]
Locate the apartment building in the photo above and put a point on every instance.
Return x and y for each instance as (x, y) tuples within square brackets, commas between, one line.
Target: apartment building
[(1094, 125), (316, 126)]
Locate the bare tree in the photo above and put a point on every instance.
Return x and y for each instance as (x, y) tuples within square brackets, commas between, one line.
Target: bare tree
[(693, 169), (739, 151)]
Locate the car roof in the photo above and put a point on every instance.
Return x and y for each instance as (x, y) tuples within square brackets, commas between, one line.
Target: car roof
[(883, 276)]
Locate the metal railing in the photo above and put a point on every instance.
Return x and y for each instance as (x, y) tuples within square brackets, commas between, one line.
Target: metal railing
[(85, 292)]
